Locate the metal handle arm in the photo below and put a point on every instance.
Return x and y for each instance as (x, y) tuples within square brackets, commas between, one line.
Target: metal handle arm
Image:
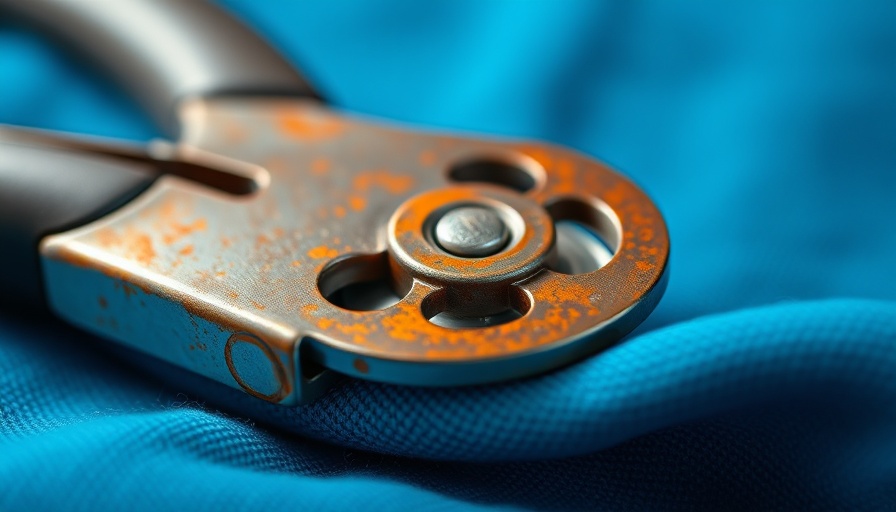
[(163, 51)]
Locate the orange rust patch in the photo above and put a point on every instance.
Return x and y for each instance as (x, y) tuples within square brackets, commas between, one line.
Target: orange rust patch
[(257, 305), (137, 245), (107, 237), (339, 212), (540, 155), (361, 365), (142, 249), (310, 127), (296, 263), (320, 166), (178, 230), (357, 332), (643, 266), (322, 251), (565, 174), (357, 203), (392, 183), (232, 294), (186, 251)]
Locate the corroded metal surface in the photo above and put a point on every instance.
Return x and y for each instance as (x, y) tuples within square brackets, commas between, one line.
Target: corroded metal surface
[(230, 286)]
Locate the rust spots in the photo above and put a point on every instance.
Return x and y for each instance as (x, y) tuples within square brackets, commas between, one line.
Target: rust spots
[(557, 306), (132, 243), (176, 230), (565, 177), (357, 332), (540, 155), (320, 166), (392, 183), (361, 365), (108, 238), (322, 251), (242, 237), (563, 307), (142, 249), (357, 203), (305, 126), (129, 289), (644, 266), (103, 302), (404, 324)]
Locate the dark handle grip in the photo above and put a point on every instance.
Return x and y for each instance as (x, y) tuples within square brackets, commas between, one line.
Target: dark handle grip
[(44, 191), (164, 51)]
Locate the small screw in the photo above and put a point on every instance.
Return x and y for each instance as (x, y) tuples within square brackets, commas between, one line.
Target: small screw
[(471, 232)]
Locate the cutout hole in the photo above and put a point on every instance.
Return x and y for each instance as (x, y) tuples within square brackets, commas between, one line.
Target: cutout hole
[(159, 158), (587, 236), (435, 310), (517, 174), (311, 370), (360, 282)]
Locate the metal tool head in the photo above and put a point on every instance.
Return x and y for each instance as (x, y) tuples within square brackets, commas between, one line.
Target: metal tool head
[(277, 243), (344, 254)]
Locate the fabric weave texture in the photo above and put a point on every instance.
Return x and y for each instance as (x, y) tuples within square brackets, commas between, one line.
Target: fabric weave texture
[(766, 133)]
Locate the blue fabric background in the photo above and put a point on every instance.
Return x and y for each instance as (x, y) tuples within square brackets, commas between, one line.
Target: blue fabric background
[(764, 380)]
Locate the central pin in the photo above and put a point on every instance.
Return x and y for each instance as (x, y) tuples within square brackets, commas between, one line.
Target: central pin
[(471, 232)]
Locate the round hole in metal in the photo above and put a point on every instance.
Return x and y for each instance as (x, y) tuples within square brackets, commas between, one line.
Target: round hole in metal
[(587, 236), (359, 282), (517, 173)]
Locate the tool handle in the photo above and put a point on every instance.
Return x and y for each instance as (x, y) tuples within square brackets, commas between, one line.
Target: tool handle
[(164, 51), (44, 191)]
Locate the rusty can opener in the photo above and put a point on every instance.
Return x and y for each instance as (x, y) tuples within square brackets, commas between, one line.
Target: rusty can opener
[(277, 243)]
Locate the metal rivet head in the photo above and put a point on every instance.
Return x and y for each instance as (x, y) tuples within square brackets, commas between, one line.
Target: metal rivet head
[(471, 232)]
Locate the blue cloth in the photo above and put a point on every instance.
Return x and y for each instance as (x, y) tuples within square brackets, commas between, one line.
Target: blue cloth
[(764, 380)]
